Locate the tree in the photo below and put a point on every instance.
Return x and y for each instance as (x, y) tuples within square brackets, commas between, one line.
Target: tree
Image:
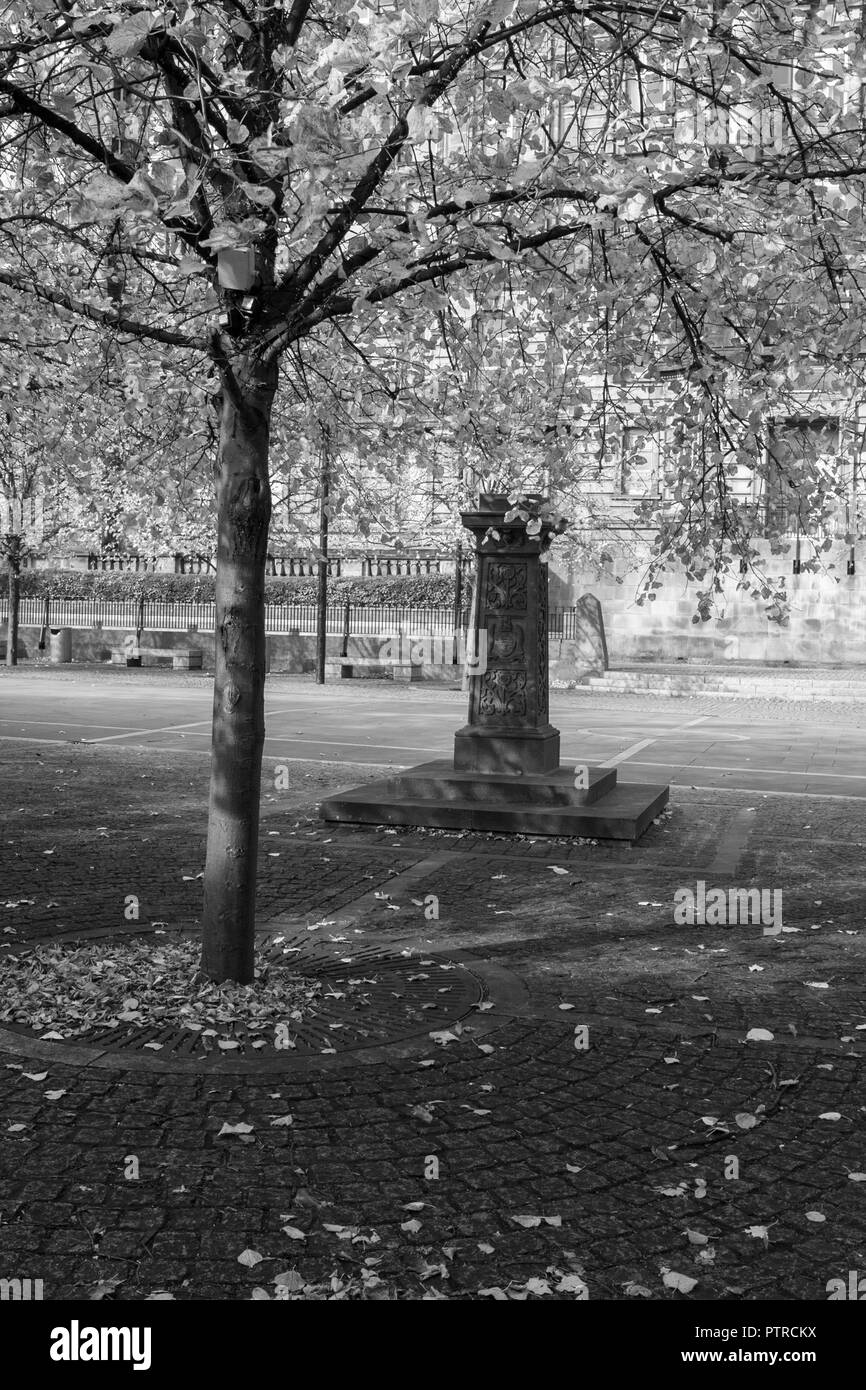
[(237, 181)]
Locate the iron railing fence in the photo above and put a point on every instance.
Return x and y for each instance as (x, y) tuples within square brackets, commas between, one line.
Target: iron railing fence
[(157, 615)]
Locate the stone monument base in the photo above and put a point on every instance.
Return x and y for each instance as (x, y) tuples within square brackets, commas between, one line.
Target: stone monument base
[(477, 749), (437, 794)]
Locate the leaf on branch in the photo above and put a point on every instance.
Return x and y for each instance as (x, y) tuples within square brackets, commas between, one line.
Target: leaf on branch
[(128, 37), (423, 124)]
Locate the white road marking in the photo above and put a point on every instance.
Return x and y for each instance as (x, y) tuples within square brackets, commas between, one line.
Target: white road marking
[(137, 733), (350, 743), (71, 723), (629, 752), (167, 728), (755, 771)]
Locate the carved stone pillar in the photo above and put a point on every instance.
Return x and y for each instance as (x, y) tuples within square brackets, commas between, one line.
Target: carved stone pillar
[(509, 729)]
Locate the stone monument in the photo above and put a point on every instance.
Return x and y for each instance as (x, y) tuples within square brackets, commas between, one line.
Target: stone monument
[(509, 728), (505, 774)]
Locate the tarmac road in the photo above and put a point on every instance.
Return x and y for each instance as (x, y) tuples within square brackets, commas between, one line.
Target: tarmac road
[(700, 742)]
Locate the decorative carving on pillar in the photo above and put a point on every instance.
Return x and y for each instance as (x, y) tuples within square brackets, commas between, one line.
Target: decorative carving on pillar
[(542, 657), (503, 693), (506, 586), (506, 641)]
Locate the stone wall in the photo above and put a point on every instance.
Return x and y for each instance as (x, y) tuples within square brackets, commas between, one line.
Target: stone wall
[(826, 622), (290, 653)]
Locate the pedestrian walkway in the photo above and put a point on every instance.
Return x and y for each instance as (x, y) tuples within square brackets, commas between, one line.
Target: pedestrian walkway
[(736, 681), (607, 1098)]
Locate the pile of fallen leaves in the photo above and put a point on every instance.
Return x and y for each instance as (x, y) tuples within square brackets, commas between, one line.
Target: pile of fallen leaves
[(137, 983)]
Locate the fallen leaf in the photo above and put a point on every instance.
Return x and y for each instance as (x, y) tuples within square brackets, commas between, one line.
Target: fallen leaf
[(242, 1128), (759, 1035), (282, 1123), (572, 1283), (294, 1233), (249, 1258), (830, 1115), (815, 1216), (683, 1283), (758, 1233), (106, 1287), (420, 1112), (537, 1286)]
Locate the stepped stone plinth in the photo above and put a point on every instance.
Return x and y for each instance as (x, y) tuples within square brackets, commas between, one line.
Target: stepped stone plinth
[(505, 774)]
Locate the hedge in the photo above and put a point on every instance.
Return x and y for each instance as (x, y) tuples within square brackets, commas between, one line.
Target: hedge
[(416, 590)]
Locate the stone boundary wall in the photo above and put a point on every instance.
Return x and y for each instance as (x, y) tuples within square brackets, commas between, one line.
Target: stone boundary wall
[(290, 653), (825, 621)]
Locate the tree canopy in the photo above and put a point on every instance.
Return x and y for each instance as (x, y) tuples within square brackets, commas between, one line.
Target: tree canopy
[(541, 222)]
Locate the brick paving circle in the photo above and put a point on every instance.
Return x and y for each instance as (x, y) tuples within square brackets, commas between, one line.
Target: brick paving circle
[(370, 998)]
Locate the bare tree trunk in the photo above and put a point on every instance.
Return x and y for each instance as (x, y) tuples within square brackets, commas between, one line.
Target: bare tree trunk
[(243, 517), (14, 563)]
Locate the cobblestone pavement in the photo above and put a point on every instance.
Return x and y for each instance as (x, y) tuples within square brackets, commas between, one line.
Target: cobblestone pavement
[(607, 1121)]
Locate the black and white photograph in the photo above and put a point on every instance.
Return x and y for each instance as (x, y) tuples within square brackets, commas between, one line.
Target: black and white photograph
[(432, 674)]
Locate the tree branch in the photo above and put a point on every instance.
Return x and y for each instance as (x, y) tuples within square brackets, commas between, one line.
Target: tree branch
[(123, 172), (107, 318), (344, 304), (295, 20), (297, 282)]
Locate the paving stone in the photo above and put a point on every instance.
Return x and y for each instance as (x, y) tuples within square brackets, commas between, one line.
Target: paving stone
[(606, 1111)]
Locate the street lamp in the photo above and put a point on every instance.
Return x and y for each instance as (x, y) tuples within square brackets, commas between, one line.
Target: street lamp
[(21, 529)]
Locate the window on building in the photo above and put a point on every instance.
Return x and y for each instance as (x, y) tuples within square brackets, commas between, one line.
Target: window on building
[(791, 445), (640, 463)]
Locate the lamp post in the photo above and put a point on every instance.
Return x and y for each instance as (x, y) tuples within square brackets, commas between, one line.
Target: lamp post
[(20, 529), (322, 589)]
